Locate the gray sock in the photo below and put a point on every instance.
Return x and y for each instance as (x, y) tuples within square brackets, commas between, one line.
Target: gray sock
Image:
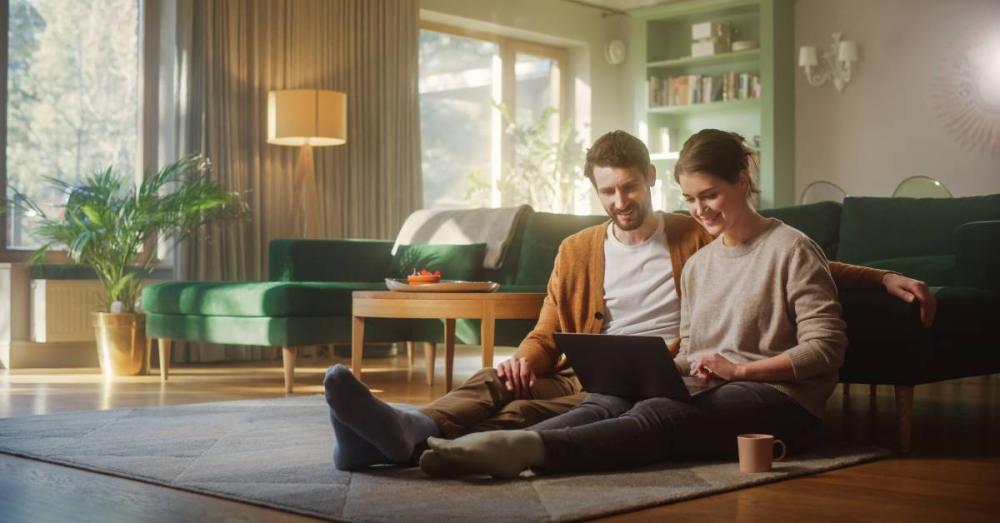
[(501, 454), (352, 451), (395, 433)]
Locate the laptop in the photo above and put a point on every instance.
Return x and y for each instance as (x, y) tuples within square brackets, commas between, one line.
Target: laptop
[(635, 367)]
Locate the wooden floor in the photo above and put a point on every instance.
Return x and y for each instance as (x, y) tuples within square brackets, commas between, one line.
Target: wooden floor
[(953, 473)]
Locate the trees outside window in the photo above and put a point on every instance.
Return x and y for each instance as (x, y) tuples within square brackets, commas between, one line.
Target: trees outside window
[(73, 98), (492, 128)]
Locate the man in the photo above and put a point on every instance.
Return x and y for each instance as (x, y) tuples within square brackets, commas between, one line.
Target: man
[(620, 277)]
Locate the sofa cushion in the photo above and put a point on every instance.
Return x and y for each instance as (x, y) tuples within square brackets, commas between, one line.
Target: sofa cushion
[(277, 299), (542, 235), (328, 260), (456, 262), (883, 228), (819, 221), (935, 270)]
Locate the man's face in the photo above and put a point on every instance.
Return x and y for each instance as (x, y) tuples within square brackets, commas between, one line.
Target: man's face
[(624, 194)]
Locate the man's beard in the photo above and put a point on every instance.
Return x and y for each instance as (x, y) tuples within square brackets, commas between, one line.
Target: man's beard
[(640, 212)]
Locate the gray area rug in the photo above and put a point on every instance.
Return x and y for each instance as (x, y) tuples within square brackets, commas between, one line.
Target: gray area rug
[(277, 453)]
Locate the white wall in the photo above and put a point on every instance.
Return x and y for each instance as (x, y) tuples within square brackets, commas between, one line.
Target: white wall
[(885, 126), (597, 86)]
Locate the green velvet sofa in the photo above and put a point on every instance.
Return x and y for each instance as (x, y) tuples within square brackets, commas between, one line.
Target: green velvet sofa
[(954, 245)]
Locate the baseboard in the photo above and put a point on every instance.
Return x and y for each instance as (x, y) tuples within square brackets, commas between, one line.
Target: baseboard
[(29, 355)]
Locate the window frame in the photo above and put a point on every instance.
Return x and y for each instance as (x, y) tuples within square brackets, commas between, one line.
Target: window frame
[(148, 53), (509, 48)]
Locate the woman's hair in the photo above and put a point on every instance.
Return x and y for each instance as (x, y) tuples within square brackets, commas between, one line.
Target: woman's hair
[(616, 149), (722, 154)]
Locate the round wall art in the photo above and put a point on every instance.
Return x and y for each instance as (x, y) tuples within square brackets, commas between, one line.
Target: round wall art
[(967, 91)]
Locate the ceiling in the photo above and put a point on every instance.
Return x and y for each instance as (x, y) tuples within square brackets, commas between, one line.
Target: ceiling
[(623, 5)]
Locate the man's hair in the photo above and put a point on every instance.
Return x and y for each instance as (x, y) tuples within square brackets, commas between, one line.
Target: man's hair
[(616, 149)]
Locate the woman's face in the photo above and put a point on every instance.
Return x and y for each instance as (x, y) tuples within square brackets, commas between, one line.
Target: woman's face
[(713, 202)]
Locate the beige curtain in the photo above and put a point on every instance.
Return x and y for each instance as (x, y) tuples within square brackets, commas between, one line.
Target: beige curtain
[(230, 54)]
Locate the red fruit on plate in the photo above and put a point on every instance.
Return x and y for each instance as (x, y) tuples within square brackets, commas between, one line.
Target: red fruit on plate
[(424, 276)]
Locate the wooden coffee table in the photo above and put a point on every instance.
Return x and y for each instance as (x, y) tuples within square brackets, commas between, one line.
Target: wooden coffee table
[(449, 306)]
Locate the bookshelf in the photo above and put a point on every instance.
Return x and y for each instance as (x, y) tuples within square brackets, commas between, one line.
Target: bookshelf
[(684, 94)]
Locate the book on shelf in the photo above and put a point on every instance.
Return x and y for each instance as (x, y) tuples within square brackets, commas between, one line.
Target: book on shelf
[(701, 89)]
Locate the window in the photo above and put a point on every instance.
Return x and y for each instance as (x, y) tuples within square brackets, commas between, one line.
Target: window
[(72, 98), (459, 78), (474, 88)]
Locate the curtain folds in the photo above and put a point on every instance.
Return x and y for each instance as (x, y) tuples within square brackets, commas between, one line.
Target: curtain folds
[(229, 54)]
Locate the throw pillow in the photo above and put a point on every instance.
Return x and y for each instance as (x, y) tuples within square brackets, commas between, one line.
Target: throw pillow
[(456, 262)]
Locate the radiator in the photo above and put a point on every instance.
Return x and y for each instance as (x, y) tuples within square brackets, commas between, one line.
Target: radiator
[(63, 310)]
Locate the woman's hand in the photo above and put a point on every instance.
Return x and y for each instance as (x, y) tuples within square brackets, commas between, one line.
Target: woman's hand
[(715, 366)]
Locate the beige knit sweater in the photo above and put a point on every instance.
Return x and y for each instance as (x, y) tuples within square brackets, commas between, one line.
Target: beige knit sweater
[(770, 296)]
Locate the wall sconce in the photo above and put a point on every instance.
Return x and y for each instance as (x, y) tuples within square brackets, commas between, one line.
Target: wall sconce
[(837, 58)]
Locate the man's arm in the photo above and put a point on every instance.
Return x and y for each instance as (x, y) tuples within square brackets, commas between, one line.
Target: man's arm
[(539, 347), (537, 353), (849, 276)]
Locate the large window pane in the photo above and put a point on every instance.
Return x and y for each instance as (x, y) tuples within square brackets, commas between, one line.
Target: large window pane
[(459, 80), (73, 73), (537, 87)]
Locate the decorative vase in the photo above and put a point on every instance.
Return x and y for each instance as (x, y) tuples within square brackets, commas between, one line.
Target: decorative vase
[(121, 342)]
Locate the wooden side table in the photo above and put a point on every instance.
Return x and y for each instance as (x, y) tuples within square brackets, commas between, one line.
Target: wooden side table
[(449, 306)]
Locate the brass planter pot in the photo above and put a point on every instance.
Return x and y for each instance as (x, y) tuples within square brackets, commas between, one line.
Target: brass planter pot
[(121, 343)]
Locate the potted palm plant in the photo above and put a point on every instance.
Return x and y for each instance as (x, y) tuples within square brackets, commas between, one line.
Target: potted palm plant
[(105, 224)]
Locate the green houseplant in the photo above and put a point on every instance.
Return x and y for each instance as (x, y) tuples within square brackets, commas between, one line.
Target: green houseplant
[(546, 164), (105, 224)]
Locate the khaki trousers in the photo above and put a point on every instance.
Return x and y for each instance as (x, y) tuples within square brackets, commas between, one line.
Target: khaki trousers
[(483, 403)]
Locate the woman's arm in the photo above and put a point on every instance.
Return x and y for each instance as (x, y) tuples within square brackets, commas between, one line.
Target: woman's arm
[(820, 332), (681, 358), (775, 368)]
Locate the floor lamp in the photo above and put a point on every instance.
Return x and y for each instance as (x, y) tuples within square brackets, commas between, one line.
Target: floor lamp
[(306, 118)]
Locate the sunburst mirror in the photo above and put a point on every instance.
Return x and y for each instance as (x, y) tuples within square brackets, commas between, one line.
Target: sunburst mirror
[(967, 92)]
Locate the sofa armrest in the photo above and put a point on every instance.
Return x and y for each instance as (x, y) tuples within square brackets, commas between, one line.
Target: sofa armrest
[(329, 260), (873, 314), (978, 254)]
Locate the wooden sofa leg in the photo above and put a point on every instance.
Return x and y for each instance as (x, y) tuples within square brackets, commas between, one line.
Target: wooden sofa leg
[(873, 390), (847, 388), (904, 415), (164, 345), (288, 361), (429, 354)]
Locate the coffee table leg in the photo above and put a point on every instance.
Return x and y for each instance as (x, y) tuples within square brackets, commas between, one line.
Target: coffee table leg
[(357, 345), (487, 332), (449, 352), (430, 350)]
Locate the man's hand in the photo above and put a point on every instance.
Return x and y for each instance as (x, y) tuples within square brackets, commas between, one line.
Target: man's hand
[(908, 289), (517, 376), (715, 365)]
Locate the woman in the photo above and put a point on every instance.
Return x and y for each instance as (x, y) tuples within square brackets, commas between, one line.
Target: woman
[(759, 310)]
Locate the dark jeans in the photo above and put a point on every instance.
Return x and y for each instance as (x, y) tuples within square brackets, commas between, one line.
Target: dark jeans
[(607, 432)]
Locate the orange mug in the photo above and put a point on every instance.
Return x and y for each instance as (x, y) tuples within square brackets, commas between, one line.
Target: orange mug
[(757, 452)]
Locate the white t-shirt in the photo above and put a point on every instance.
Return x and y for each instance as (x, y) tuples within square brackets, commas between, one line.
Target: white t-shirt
[(639, 292)]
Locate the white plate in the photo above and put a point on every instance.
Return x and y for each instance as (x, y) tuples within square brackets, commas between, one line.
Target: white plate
[(442, 286)]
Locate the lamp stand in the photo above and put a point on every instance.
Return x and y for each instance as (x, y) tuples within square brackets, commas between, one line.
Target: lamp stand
[(303, 214)]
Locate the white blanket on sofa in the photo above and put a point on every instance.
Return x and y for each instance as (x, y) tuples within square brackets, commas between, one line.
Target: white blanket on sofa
[(494, 227)]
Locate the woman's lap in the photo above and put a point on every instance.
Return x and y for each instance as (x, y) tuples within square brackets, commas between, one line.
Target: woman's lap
[(606, 432)]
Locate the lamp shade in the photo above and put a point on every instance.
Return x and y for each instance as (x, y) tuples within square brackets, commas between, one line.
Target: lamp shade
[(847, 52), (306, 117), (807, 56)]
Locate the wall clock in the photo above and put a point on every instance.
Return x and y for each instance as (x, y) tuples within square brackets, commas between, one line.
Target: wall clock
[(615, 52)]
